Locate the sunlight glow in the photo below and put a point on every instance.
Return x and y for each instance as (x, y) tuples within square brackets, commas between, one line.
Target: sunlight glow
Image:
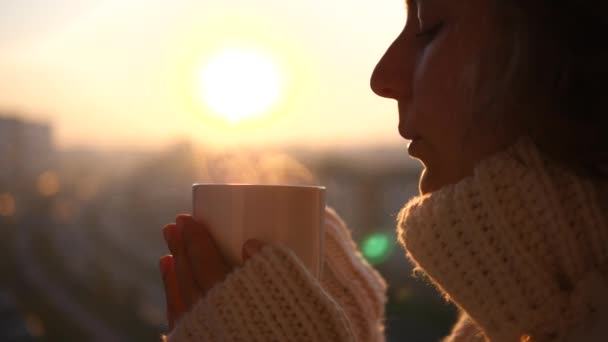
[(240, 84)]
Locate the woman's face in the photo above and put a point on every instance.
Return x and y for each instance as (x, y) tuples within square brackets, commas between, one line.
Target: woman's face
[(431, 70)]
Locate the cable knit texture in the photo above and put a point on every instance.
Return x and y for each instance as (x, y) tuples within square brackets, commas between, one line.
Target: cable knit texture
[(521, 246), (273, 297)]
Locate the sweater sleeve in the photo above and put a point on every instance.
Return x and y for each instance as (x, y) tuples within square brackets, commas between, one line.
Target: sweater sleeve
[(272, 297), (350, 280)]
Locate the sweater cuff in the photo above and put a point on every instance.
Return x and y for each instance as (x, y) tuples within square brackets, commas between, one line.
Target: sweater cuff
[(272, 297)]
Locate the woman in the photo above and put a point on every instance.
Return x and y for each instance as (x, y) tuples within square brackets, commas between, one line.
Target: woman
[(503, 102)]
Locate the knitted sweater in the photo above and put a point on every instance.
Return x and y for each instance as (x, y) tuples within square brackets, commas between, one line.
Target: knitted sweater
[(521, 247), (273, 297)]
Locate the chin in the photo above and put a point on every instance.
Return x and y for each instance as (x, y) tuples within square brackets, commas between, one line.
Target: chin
[(425, 184), (430, 182)]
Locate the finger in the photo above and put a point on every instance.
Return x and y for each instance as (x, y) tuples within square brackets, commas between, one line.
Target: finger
[(175, 304), (185, 278), (164, 264), (206, 261), (169, 231)]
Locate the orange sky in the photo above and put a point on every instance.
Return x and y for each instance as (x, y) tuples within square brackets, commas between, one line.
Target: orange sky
[(121, 73)]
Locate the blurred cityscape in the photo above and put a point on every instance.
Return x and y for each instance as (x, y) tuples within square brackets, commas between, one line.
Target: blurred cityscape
[(81, 229)]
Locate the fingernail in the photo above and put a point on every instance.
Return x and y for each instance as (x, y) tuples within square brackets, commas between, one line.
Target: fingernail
[(251, 247), (176, 234), (179, 221), (183, 219)]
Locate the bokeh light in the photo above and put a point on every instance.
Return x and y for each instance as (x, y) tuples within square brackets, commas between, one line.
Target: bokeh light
[(7, 205), (48, 184), (377, 247)]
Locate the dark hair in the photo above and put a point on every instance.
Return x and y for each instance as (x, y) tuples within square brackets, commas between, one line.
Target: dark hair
[(551, 66)]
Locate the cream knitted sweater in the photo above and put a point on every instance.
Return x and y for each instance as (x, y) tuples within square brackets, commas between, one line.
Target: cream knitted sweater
[(521, 247)]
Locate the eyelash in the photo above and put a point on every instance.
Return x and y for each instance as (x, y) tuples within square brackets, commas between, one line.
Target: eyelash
[(430, 33)]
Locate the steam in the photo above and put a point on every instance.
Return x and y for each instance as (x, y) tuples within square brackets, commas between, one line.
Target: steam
[(254, 168)]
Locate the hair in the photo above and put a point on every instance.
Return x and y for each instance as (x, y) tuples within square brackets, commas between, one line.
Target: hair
[(547, 65)]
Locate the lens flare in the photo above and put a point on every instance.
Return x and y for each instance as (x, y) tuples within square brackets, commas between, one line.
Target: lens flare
[(377, 247)]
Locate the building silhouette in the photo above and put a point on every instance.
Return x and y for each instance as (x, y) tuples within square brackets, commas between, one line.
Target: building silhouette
[(26, 151)]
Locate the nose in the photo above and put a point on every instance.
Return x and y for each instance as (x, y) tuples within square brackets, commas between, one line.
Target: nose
[(391, 76)]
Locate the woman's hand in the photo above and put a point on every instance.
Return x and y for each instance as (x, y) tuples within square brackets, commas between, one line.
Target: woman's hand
[(194, 266)]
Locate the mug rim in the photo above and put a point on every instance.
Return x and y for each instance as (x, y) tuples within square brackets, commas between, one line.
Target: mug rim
[(251, 185)]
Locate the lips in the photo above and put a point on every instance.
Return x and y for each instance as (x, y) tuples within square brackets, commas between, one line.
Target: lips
[(413, 147), (414, 140), (408, 135)]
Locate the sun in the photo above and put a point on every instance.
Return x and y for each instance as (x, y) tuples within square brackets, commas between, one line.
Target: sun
[(240, 84)]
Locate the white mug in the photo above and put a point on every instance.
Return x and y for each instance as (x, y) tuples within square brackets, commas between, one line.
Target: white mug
[(291, 215)]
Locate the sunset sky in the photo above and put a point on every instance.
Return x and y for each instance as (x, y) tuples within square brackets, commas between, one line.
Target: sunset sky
[(115, 73)]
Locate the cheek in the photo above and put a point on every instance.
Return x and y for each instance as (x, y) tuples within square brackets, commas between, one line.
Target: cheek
[(442, 96), (442, 83), (443, 103)]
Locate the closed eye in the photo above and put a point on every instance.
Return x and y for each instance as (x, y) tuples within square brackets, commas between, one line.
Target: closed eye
[(430, 33)]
